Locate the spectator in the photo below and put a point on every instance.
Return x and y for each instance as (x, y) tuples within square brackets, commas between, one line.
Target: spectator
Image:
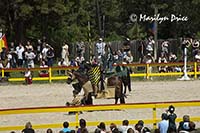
[(13, 54), (126, 46), (108, 62), (164, 48), (197, 56), (93, 60), (65, 53), (49, 130), (130, 130), (30, 56), (50, 56), (150, 44), (28, 76), (171, 117), (113, 128), (39, 50), (29, 46), (66, 127), (79, 59), (172, 57), (19, 51), (186, 124), (101, 128), (82, 124), (141, 51), (43, 73), (3, 53), (129, 57), (28, 128), (195, 47), (44, 51), (162, 59), (7, 64), (140, 127), (164, 124), (73, 63), (39, 46), (100, 49), (125, 126), (61, 63)]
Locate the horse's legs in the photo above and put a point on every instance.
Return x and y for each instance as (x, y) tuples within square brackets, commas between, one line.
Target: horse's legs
[(95, 89), (116, 99), (124, 88), (122, 99), (129, 86)]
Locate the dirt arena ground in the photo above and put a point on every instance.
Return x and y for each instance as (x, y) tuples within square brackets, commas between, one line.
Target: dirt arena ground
[(35, 95)]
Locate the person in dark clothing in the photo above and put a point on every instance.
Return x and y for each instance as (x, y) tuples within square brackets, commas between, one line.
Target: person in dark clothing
[(28, 128), (171, 117), (186, 124)]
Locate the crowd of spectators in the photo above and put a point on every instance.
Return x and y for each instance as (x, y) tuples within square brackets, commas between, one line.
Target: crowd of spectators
[(167, 124), (185, 126), (43, 54)]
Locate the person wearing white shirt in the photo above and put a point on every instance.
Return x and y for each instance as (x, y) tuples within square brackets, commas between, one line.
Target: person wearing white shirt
[(44, 51), (125, 126), (100, 47), (28, 76), (30, 56), (19, 51), (65, 53)]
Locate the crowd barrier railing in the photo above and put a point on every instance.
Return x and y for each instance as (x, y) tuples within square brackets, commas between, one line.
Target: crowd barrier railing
[(147, 73), (153, 106)]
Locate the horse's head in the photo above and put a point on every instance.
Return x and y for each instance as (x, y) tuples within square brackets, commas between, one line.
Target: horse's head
[(71, 77)]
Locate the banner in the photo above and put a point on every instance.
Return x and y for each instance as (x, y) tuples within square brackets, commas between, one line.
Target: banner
[(3, 43)]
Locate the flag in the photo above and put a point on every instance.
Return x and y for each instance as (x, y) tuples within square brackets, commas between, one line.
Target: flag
[(3, 43)]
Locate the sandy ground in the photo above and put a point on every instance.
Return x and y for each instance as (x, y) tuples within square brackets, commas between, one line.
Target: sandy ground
[(35, 95)]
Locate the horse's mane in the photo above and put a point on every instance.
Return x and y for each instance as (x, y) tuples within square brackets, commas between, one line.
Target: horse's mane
[(80, 74)]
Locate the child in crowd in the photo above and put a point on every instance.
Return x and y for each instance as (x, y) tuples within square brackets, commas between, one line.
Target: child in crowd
[(28, 76)]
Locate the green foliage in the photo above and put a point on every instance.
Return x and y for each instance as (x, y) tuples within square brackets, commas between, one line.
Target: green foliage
[(61, 20), (25, 10), (136, 32)]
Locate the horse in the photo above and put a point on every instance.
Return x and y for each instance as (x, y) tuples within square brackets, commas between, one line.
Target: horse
[(84, 82), (124, 73), (127, 80)]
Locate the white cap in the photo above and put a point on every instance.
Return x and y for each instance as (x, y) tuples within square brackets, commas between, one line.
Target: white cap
[(100, 39)]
